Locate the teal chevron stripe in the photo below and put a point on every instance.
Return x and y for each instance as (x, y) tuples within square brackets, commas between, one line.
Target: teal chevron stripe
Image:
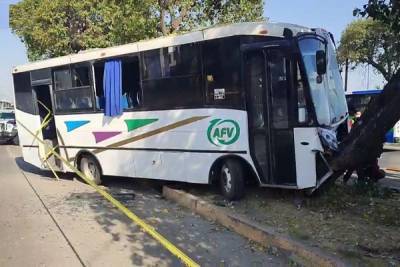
[(72, 125), (134, 124)]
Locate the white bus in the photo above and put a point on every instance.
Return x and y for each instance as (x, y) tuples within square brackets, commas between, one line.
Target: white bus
[(224, 104)]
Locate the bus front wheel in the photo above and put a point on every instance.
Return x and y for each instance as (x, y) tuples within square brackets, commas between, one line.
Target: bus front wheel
[(231, 179), (90, 168)]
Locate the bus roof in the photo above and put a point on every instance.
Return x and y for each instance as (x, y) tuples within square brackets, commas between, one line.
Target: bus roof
[(248, 28)]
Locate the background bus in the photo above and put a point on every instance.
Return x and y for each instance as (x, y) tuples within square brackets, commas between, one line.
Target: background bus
[(357, 101)]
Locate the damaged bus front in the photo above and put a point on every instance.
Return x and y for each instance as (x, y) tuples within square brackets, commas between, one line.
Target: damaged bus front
[(327, 93), (296, 108)]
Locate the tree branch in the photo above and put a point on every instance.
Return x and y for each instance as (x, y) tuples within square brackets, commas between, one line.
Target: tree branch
[(379, 68), (163, 6), (183, 14)]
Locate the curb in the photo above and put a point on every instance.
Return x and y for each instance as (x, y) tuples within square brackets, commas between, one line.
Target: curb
[(388, 146), (251, 230)]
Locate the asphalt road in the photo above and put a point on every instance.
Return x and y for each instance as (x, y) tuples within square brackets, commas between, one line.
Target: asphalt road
[(390, 159), (44, 222)]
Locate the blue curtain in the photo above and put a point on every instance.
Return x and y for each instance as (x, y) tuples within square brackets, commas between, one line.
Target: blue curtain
[(112, 84)]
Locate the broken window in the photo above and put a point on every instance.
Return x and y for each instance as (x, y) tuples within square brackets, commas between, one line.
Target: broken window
[(131, 90)]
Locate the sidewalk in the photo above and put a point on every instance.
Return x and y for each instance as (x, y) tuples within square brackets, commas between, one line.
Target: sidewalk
[(28, 234), (100, 234)]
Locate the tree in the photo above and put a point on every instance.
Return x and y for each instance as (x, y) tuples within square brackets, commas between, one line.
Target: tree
[(368, 41), (385, 11), (52, 28), (188, 14), (364, 144)]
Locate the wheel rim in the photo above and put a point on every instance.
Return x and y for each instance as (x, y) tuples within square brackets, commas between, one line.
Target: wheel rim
[(226, 179), (90, 169)]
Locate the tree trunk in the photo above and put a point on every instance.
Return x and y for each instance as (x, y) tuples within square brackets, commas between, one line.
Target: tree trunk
[(364, 143), (162, 22)]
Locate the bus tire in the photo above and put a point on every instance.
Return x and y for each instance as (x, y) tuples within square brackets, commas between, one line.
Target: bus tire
[(89, 166), (231, 179)]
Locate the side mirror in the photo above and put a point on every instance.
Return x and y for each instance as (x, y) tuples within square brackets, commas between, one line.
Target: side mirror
[(320, 58)]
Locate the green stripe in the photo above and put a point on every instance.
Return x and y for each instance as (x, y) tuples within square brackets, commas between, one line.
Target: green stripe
[(137, 123)]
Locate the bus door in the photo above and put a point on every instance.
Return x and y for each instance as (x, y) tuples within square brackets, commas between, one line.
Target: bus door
[(49, 133), (269, 96)]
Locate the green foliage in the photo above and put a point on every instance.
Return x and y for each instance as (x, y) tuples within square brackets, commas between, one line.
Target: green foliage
[(368, 41), (385, 11), (51, 28)]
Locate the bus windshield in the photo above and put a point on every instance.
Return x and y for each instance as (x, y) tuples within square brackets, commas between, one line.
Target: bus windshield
[(327, 94)]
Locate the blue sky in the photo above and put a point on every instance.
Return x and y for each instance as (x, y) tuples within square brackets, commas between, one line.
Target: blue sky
[(332, 15)]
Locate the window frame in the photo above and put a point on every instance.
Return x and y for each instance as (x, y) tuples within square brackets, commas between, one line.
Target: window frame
[(18, 80), (198, 74), (123, 58), (235, 41), (89, 87)]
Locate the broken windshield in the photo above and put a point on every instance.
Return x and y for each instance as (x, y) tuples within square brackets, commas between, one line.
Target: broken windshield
[(327, 90)]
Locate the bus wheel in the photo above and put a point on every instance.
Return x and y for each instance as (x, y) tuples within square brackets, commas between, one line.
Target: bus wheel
[(90, 168), (231, 180)]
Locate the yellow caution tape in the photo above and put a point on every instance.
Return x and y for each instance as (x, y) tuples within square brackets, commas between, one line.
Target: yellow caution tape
[(45, 122), (147, 228), (46, 158)]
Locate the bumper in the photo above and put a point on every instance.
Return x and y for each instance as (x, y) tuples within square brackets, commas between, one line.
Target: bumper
[(5, 136)]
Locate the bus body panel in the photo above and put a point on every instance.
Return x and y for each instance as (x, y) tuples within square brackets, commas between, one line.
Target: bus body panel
[(30, 145), (307, 143), (178, 145)]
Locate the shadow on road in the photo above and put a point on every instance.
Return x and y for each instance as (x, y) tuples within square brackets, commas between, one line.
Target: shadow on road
[(204, 241), (46, 174)]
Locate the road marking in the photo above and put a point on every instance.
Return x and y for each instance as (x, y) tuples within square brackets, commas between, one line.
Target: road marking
[(146, 227)]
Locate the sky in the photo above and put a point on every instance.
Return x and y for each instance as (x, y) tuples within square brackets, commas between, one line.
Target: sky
[(332, 15)]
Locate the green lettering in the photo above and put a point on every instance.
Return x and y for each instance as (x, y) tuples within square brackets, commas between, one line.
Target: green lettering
[(230, 132), (216, 133), (223, 132)]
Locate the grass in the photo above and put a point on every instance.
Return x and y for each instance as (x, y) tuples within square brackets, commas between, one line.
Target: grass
[(359, 221)]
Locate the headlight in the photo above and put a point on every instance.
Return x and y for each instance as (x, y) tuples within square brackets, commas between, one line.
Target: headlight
[(10, 127)]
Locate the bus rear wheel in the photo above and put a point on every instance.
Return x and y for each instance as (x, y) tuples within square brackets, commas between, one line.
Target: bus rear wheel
[(90, 168), (231, 179)]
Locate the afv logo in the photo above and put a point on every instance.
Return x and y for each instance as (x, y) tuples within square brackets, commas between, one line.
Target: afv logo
[(223, 132)]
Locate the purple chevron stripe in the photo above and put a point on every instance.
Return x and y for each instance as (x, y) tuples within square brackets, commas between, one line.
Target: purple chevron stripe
[(101, 136)]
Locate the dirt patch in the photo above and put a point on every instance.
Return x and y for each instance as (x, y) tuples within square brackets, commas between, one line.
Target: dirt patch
[(357, 222)]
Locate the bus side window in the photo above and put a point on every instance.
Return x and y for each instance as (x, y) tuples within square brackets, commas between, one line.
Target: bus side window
[(131, 91), (279, 89), (172, 77), (72, 89), (222, 72), (301, 97), (24, 93)]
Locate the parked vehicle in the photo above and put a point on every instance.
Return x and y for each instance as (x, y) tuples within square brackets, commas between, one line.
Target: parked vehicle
[(358, 101), (8, 127), (223, 104)]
